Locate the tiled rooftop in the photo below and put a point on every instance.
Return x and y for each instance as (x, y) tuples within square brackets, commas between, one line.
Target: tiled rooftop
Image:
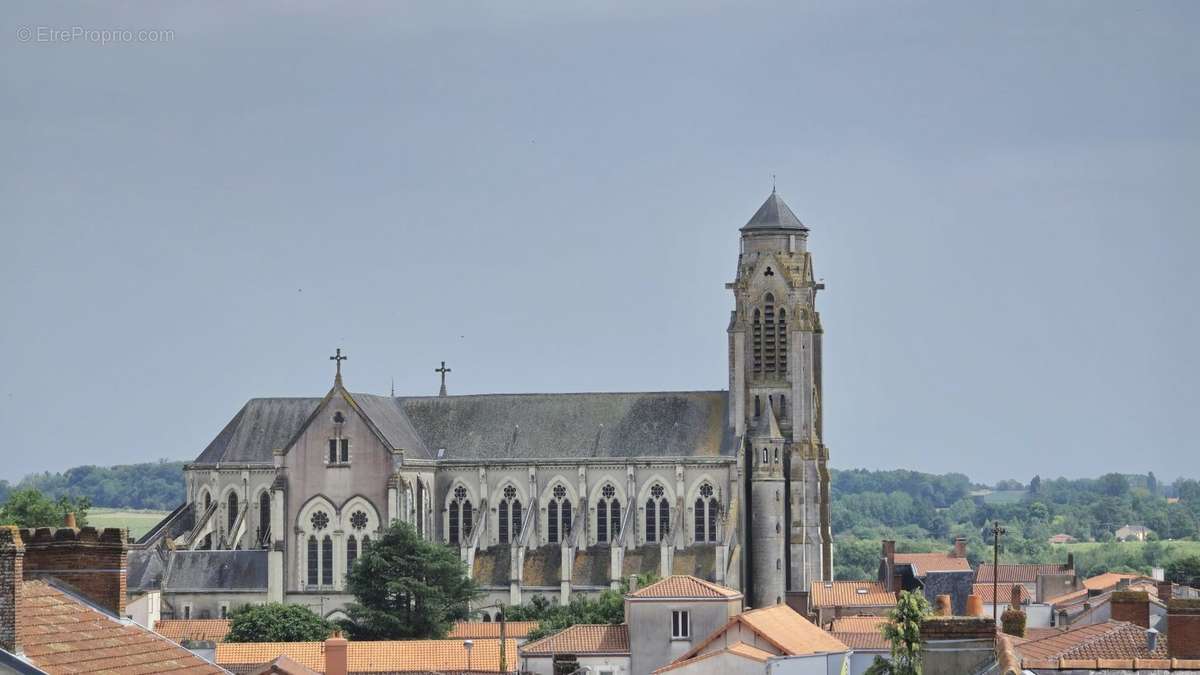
[(984, 591), (738, 648), (206, 630), (1111, 640), (475, 630), (789, 631), (1106, 581), (1023, 573), (851, 594), (375, 656), (933, 562), (858, 624), (862, 640), (61, 634), (588, 638), (685, 586)]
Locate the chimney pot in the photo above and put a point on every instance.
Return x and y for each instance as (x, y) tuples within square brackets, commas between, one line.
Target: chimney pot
[(943, 607), (336, 661), (1151, 639), (70, 520), (1165, 590), (960, 547), (974, 605)]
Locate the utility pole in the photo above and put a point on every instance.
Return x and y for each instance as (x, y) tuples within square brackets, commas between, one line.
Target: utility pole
[(996, 532)]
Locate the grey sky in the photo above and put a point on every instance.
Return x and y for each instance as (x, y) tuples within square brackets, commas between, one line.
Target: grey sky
[(1002, 198)]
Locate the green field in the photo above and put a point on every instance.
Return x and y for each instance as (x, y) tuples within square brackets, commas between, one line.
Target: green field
[(137, 522)]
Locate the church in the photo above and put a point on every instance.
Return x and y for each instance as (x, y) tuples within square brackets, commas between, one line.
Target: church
[(541, 494)]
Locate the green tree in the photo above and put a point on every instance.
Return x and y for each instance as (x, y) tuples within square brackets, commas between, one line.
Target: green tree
[(276, 622), (608, 607), (1184, 570), (27, 507), (407, 587), (903, 630)]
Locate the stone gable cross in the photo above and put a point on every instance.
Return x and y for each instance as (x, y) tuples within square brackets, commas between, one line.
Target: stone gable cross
[(442, 371), (338, 358)]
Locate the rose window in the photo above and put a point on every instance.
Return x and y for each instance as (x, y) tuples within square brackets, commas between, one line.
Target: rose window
[(656, 491), (320, 520), (510, 492), (706, 491), (608, 491), (358, 520), (559, 492)]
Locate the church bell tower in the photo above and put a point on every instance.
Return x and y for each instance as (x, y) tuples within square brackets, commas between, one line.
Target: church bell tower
[(775, 406)]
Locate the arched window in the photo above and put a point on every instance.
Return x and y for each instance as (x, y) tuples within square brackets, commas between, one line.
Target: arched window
[(558, 515), (776, 455), (314, 561), (608, 514), (757, 406), (487, 618), (264, 518), (351, 552), (781, 336), (757, 343), (207, 500), (327, 561), (766, 456), (366, 543), (769, 342), (233, 511), (782, 407), (509, 515), (706, 509), (420, 508), (658, 514), (460, 516)]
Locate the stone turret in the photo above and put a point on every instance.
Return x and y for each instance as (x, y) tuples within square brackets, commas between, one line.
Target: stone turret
[(768, 529)]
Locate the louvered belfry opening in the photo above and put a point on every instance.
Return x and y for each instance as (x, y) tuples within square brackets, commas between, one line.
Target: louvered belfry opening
[(769, 339)]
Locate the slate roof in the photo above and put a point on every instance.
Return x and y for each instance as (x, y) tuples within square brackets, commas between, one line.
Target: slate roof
[(545, 426), (216, 570), (774, 214), (390, 656), (851, 594), (62, 634), (583, 638), (204, 630), (493, 426), (262, 425), (684, 586), (144, 569)]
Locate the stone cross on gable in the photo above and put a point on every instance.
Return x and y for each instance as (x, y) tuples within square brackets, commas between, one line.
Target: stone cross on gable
[(338, 358), (442, 371)]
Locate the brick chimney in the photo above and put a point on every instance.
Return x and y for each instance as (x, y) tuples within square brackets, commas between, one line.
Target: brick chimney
[(1131, 606), (960, 547), (1015, 596), (1165, 590), (336, 661), (90, 561), (12, 553), (1183, 628), (957, 644)]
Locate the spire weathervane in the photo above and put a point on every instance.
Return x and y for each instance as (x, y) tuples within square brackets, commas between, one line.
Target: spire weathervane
[(442, 371), (338, 358)]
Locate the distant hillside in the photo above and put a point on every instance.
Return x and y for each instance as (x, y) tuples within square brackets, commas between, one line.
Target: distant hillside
[(152, 485)]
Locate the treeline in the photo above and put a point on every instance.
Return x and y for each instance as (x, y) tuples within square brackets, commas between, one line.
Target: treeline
[(923, 512), (151, 485)]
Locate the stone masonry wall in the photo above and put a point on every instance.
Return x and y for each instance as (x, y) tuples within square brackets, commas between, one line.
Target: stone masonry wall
[(89, 560)]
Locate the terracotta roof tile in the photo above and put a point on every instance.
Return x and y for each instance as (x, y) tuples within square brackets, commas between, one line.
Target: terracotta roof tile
[(984, 591), (63, 634), (1111, 640), (584, 638), (375, 656), (851, 594), (791, 632), (477, 630), (1106, 581), (858, 624), (208, 630), (1023, 573), (933, 562), (684, 586), (738, 649), (862, 640)]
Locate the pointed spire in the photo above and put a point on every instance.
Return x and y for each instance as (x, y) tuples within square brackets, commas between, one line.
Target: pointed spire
[(766, 426), (774, 214)]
